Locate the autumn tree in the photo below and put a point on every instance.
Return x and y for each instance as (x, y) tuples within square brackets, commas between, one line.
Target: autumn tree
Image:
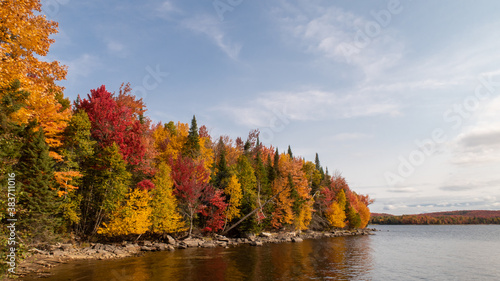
[(132, 217), (114, 123), (169, 140), (165, 217), (24, 40), (214, 209), (233, 190), (191, 180)]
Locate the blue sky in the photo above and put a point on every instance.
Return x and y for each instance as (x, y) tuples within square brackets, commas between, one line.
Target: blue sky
[(399, 96)]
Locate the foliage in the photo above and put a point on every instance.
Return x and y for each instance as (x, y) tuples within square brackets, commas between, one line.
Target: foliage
[(131, 218), (234, 192), (165, 217), (114, 123), (38, 203), (190, 182)]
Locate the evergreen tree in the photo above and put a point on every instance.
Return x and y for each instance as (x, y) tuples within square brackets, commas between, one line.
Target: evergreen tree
[(38, 202), (246, 148), (192, 146), (317, 163), (290, 152), (271, 172), (276, 163), (222, 174), (11, 141)]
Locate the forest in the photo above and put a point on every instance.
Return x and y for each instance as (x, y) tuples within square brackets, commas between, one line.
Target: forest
[(454, 217), (99, 168)]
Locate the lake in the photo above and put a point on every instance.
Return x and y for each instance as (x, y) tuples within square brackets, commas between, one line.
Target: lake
[(406, 252)]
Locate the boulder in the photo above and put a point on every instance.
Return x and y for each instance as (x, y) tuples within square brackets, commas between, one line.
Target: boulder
[(297, 239), (170, 240), (147, 249), (266, 234), (209, 244), (191, 242), (256, 243)]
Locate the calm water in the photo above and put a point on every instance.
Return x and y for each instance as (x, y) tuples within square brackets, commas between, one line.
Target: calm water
[(461, 252)]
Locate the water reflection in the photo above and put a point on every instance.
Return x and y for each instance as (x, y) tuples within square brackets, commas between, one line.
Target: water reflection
[(341, 258)]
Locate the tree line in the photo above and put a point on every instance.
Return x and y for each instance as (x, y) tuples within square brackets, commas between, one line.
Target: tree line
[(99, 167), (425, 219)]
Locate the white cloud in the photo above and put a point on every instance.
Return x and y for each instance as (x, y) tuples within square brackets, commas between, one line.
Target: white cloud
[(403, 190), (307, 106), (333, 33), (212, 28), (81, 66), (349, 137)]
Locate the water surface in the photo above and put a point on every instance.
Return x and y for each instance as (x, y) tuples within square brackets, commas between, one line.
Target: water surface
[(449, 252)]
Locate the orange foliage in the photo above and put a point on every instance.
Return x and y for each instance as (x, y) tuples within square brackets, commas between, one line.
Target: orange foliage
[(25, 37)]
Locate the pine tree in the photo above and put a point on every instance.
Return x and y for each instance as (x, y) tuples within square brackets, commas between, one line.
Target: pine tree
[(271, 172), (290, 152), (317, 163), (276, 163), (11, 141), (192, 146), (222, 174), (38, 202)]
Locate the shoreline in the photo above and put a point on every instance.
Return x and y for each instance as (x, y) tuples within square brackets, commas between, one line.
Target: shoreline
[(41, 262)]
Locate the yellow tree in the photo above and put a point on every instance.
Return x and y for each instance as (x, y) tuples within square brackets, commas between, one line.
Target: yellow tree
[(233, 190), (169, 139), (165, 217), (131, 218), (335, 215), (24, 37)]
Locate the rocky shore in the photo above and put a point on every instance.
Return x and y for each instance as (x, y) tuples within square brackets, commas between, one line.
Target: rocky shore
[(40, 261)]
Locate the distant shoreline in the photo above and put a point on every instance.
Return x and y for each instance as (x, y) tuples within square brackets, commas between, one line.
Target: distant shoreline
[(439, 218)]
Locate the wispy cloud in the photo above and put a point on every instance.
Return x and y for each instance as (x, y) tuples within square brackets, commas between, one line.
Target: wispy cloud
[(211, 27), (326, 32), (307, 106), (81, 66)]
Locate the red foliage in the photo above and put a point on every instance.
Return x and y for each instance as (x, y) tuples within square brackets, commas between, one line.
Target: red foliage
[(215, 208), (114, 123), (190, 181), (145, 185)]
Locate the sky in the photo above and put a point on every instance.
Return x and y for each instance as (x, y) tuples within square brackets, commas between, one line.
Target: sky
[(401, 97)]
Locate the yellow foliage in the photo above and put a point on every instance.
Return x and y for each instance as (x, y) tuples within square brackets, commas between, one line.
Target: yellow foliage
[(304, 216), (164, 216), (24, 37), (335, 215), (206, 152), (131, 218), (235, 193), (169, 141)]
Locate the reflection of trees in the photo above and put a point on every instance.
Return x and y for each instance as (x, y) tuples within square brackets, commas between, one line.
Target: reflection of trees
[(340, 258)]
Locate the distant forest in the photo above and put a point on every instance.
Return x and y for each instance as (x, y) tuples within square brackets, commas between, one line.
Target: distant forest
[(454, 217)]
